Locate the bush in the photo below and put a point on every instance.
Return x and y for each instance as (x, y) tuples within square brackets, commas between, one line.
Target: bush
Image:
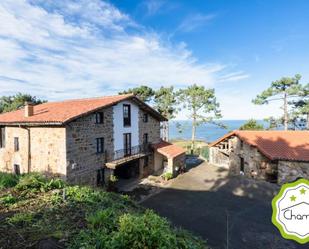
[(143, 231), (168, 176), (8, 180)]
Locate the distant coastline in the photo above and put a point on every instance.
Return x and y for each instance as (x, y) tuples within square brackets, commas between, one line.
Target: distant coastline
[(205, 132)]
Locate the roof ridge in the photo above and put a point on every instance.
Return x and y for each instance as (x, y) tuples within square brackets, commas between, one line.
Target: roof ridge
[(92, 98)]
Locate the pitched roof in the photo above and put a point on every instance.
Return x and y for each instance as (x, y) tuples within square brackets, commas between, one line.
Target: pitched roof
[(59, 113), (169, 150), (276, 145)]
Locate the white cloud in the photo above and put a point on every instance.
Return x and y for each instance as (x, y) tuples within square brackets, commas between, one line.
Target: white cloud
[(195, 21), (67, 49)]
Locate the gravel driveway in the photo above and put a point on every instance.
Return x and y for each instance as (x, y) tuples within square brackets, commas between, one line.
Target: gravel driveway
[(203, 198)]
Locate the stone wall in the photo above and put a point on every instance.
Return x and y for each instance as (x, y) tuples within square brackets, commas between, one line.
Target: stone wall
[(218, 158), (152, 127), (47, 150), (289, 171), (253, 161), (83, 160)]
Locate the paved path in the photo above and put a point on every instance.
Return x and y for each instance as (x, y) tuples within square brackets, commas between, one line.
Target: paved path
[(201, 199)]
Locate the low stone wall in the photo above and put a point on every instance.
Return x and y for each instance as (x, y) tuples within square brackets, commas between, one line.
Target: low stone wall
[(290, 171)]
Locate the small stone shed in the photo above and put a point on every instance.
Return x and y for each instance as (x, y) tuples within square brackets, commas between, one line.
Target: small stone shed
[(275, 156), (169, 157)]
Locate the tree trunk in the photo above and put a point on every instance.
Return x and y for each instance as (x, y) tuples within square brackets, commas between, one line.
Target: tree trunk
[(285, 109), (193, 133), (167, 131)]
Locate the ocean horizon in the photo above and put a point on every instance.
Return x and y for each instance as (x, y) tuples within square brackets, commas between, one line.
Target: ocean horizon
[(206, 132)]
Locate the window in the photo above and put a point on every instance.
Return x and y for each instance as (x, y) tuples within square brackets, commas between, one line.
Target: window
[(2, 137), (241, 144), (145, 138), (99, 118), (242, 165), (16, 169), (145, 117), (100, 177), (127, 143), (100, 145), (16, 144), (126, 115)]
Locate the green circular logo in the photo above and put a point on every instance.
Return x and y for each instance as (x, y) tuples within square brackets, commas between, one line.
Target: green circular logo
[(291, 211)]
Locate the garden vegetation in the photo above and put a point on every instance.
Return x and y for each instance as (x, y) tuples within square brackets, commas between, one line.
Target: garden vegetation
[(37, 212)]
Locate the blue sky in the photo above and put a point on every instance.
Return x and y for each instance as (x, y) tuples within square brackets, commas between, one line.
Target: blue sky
[(73, 49)]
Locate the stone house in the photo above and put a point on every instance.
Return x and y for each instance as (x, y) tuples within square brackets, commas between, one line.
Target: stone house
[(86, 140), (275, 156)]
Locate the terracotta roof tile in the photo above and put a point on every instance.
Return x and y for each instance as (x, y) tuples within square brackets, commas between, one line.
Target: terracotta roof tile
[(65, 111), (276, 145), (169, 150)]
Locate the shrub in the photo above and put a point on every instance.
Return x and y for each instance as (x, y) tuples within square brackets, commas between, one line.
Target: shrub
[(8, 180), (106, 219), (141, 231), (21, 218), (167, 176)]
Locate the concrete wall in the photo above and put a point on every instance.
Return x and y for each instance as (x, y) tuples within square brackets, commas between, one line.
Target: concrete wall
[(290, 171), (47, 149), (119, 129), (83, 160)]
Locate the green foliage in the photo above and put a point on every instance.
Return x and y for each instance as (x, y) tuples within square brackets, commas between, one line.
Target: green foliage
[(165, 102), (251, 124), (202, 105), (8, 199), (11, 103), (8, 180), (282, 90), (21, 219), (83, 217), (143, 231), (167, 176), (106, 218), (35, 182), (288, 85), (145, 93)]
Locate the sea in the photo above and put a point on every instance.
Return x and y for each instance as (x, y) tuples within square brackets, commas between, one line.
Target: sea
[(182, 129)]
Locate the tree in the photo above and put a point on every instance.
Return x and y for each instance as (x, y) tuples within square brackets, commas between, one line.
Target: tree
[(251, 124), (14, 102), (200, 102), (144, 93), (301, 107), (165, 103), (281, 89)]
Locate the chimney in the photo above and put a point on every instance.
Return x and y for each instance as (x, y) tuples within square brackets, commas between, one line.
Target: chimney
[(28, 109)]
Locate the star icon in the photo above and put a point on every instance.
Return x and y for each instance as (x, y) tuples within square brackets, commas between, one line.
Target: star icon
[(302, 191), (293, 198)]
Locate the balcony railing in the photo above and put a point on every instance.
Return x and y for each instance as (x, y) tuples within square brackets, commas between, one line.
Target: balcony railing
[(131, 151)]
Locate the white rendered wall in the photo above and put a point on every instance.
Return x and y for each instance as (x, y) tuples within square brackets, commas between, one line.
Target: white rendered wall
[(119, 129)]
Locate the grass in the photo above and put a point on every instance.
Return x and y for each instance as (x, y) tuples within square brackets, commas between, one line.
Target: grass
[(37, 209)]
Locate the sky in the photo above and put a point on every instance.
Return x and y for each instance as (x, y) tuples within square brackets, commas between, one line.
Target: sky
[(66, 49)]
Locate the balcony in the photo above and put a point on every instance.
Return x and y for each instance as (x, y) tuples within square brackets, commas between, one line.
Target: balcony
[(121, 156)]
